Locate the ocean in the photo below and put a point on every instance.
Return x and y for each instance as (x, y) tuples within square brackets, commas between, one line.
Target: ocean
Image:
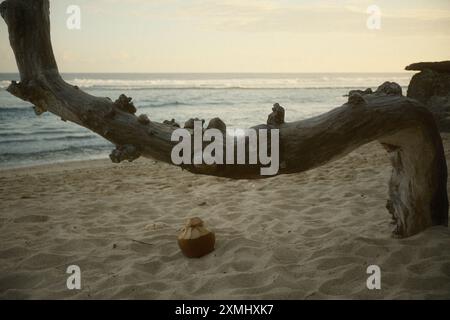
[(240, 100)]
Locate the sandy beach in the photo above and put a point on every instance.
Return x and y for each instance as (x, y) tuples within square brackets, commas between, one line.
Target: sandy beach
[(302, 236)]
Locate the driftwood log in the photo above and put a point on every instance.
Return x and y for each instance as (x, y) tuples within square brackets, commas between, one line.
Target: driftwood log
[(417, 188)]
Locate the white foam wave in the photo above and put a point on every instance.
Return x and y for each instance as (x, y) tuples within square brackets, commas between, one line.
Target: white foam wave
[(247, 83), (325, 81), (4, 84)]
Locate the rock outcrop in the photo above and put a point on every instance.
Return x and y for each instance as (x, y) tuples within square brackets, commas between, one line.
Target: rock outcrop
[(431, 86), (442, 66)]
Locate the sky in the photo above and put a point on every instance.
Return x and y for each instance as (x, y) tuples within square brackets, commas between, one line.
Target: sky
[(244, 35)]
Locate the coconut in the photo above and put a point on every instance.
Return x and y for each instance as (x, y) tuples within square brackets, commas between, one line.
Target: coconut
[(195, 240)]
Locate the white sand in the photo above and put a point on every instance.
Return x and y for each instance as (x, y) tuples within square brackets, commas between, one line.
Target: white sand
[(309, 235)]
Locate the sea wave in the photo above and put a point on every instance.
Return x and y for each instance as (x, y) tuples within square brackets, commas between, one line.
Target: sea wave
[(164, 104), (4, 84), (300, 82), (19, 159), (240, 83), (16, 109), (63, 138), (38, 132), (72, 150)]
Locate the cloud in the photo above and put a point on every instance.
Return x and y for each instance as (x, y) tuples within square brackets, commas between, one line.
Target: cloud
[(311, 17)]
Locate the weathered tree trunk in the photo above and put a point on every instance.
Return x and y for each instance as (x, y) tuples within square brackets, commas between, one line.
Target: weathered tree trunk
[(418, 186)]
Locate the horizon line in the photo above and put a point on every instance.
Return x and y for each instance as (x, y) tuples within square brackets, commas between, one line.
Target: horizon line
[(227, 72)]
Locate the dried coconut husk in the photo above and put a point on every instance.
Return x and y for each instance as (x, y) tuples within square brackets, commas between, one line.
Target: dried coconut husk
[(195, 240)]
